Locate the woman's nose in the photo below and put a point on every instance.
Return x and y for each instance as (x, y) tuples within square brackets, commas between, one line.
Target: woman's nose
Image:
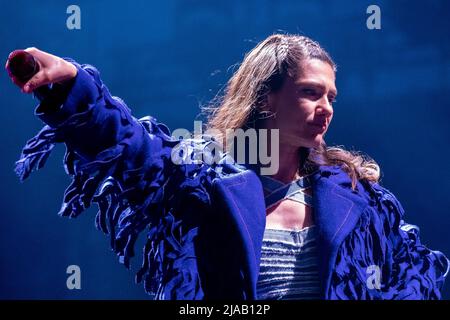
[(325, 107)]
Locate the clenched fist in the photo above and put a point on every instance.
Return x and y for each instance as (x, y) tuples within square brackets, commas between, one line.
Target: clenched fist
[(51, 69)]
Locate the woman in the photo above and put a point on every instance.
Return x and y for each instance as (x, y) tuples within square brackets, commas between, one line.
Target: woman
[(320, 227)]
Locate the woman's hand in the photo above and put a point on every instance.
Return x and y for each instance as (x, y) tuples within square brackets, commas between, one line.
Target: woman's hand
[(52, 69)]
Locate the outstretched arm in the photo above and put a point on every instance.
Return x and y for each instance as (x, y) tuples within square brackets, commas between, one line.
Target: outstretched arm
[(125, 166), (102, 137)]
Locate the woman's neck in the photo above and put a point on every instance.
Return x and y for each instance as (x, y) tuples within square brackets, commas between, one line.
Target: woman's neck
[(289, 161)]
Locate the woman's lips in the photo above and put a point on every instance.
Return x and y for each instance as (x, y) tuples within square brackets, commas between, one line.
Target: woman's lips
[(321, 126)]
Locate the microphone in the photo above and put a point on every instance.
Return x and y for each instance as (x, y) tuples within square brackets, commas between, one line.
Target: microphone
[(23, 66)]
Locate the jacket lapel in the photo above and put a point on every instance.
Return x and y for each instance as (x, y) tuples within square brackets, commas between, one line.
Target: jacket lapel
[(337, 209), (241, 196)]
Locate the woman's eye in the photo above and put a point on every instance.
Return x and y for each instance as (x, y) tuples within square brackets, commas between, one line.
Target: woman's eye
[(309, 92), (331, 100)]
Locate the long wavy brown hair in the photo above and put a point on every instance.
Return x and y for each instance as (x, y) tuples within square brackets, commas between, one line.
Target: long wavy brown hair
[(264, 70)]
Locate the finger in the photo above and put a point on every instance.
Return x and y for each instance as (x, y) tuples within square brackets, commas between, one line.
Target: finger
[(36, 81), (32, 50)]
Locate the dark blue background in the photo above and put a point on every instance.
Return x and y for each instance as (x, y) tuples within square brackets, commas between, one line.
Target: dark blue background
[(169, 58)]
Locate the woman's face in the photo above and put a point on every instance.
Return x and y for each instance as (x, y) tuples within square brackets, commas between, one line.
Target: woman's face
[(303, 105)]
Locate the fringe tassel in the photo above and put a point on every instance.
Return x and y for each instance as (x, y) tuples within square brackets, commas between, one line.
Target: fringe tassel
[(382, 239), (169, 198), (35, 153)]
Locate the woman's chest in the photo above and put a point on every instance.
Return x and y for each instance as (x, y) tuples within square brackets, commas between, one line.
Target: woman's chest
[(289, 214)]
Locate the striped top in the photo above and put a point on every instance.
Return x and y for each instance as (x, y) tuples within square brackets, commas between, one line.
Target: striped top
[(289, 260), (289, 266)]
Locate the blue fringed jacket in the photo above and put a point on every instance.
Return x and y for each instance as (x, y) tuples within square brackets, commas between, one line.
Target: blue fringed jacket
[(204, 224)]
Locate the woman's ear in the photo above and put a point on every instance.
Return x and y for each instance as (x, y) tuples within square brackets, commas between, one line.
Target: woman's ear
[(268, 108)]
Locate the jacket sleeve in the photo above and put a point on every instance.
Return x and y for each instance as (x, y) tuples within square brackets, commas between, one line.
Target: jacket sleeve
[(124, 165), (414, 271)]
